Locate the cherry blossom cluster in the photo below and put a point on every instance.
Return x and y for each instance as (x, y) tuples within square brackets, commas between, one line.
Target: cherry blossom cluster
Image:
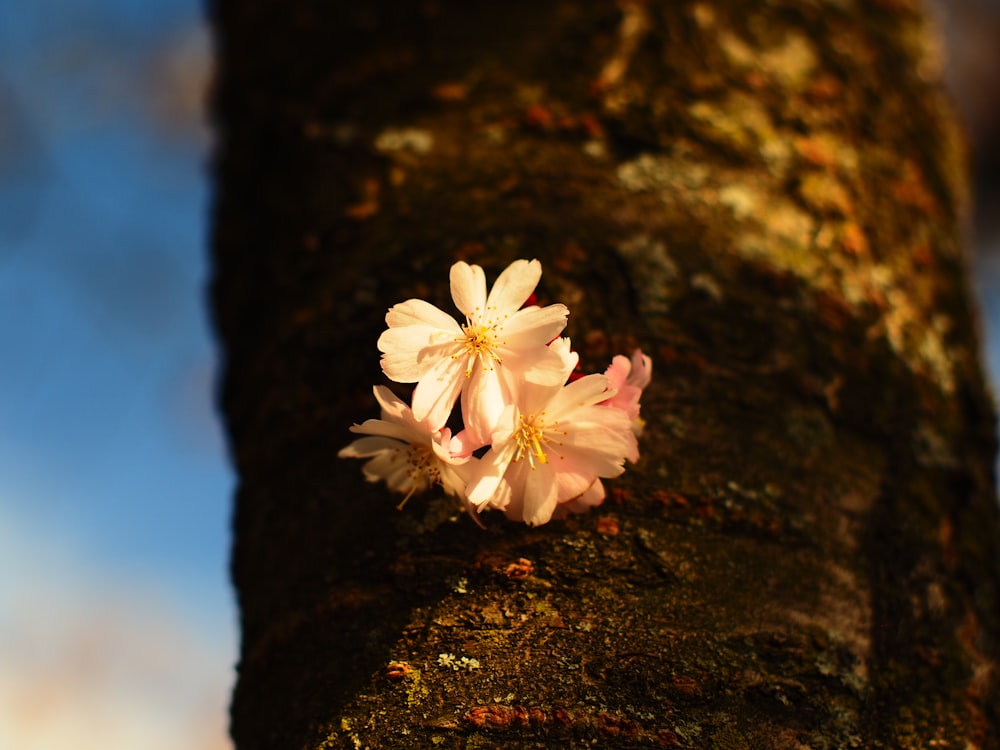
[(536, 437)]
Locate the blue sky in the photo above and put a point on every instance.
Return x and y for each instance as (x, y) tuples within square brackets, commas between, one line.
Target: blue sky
[(116, 615)]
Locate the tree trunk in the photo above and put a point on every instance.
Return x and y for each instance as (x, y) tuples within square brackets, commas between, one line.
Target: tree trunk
[(768, 199)]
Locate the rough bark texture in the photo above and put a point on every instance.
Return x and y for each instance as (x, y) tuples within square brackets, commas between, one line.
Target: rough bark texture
[(768, 198)]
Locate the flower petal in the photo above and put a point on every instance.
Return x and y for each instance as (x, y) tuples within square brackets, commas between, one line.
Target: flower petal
[(368, 446), (382, 428), (409, 353), (468, 288), (485, 478), (437, 391), (642, 370), (587, 391), (418, 312), (513, 287), (540, 494), (484, 398), (534, 326)]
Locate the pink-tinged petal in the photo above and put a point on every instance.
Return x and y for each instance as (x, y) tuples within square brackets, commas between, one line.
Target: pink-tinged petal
[(368, 446), (514, 285), (584, 392), (618, 371), (418, 312), (571, 482), (594, 496), (549, 368), (607, 461), (642, 370), (534, 326), (437, 391), (468, 288), (443, 451), (484, 398), (599, 448), (464, 443)]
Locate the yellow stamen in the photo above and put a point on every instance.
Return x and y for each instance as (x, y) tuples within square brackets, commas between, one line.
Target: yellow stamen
[(531, 439)]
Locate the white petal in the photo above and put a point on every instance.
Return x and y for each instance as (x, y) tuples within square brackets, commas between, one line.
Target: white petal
[(513, 287), (418, 312), (584, 392), (368, 446), (437, 391), (468, 288), (409, 353), (382, 428), (393, 407), (540, 493), (485, 477), (383, 466), (592, 497), (484, 398), (547, 367), (534, 326)]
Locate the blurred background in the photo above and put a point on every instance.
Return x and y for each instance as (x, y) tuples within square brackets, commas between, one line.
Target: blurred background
[(117, 623)]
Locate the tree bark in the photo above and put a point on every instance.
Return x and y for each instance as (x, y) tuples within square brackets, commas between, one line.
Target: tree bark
[(769, 199)]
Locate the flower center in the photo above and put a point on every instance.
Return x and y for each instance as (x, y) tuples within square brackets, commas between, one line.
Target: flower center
[(479, 342), (423, 469), (531, 439)]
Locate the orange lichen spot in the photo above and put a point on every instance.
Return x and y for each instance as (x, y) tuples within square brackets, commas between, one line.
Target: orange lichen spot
[(608, 526), (591, 126), (854, 240), (923, 255), (490, 717), (825, 89), (397, 670), (666, 738), (911, 189), (450, 91), (538, 117), (615, 726), (671, 499), (684, 686), (519, 569), (369, 204), (618, 495), (818, 150)]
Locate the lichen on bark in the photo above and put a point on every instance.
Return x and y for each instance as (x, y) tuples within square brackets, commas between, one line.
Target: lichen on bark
[(768, 198)]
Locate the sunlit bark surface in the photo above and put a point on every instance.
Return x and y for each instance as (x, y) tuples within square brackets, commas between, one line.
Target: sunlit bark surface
[(768, 199)]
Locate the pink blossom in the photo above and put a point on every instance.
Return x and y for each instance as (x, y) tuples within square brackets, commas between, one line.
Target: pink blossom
[(500, 344), (406, 453), (550, 446), (629, 379)]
